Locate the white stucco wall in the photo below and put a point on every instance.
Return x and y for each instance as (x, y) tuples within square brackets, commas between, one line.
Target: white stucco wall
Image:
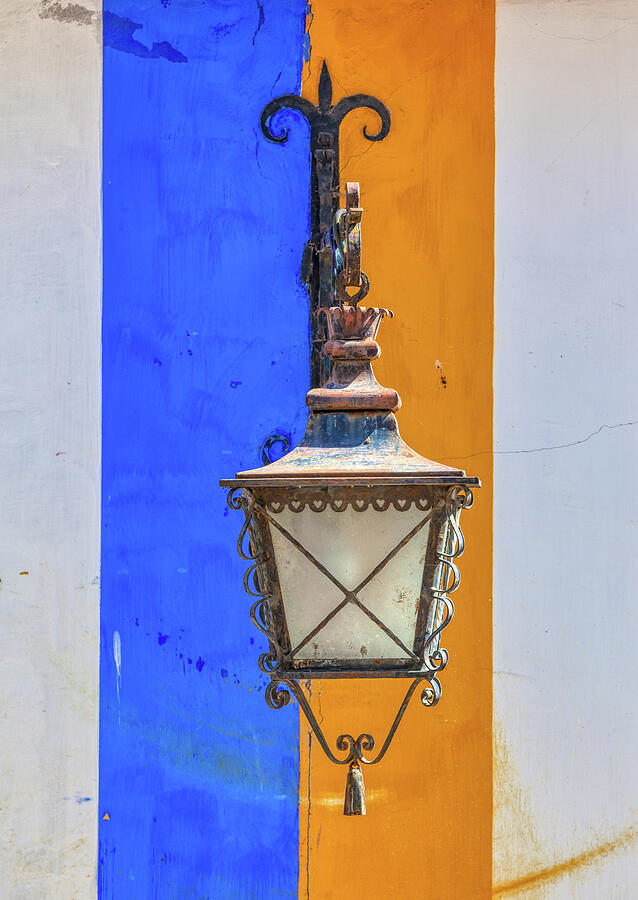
[(566, 431), (50, 109)]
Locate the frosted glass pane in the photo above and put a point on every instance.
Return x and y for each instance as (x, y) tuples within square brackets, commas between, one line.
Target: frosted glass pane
[(350, 544)]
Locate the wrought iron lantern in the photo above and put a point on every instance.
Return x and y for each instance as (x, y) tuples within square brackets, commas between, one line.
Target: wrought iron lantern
[(352, 537)]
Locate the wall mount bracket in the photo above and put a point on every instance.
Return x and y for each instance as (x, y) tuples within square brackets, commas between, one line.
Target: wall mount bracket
[(321, 260)]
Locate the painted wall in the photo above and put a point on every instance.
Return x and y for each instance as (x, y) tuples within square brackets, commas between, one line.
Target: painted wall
[(203, 791), (203, 318), (427, 246), (50, 236), (565, 537)]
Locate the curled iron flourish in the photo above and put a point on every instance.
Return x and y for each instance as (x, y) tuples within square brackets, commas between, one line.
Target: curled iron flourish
[(267, 663), (276, 696), (364, 101), (236, 498), (355, 748), (258, 616), (271, 441), (431, 695), (324, 117), (255, 580), (286, 101)]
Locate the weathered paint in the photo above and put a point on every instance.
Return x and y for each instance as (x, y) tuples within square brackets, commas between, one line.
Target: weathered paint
[(49, 457), (426, 191), (566, 552), (198, 777), (204, 321)]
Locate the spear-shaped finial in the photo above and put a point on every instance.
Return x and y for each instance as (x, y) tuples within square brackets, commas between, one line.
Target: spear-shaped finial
[(324, 92)]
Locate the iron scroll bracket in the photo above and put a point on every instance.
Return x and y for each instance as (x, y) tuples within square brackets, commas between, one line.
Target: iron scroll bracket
[(277, 697), (325, 120)]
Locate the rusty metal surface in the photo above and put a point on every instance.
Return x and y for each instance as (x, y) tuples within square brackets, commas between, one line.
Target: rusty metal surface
[(325, 121), (351, 429), (360, 482), (353, 445), (348, 239), (351, 456), (355, 800), (350, 348)]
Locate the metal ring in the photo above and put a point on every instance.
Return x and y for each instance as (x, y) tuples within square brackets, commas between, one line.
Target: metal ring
[(344, 296)]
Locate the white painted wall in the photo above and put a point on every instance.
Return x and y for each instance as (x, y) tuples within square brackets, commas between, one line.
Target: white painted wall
[(50, 286), (566, 430)]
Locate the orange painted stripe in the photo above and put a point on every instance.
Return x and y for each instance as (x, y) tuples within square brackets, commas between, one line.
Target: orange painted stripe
[(427, 192)]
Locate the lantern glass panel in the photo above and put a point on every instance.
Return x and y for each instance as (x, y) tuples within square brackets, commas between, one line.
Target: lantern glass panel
[(350, 544)]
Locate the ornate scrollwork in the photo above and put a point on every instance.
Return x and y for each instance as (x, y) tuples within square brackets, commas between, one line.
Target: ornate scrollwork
[(276, 696), (354, 748), (236, 498), (259, 617), (431, 694), (268, 663), (339, 501), (255, 579), (277, 438), (243, 501), (451, 546), (324, 116)]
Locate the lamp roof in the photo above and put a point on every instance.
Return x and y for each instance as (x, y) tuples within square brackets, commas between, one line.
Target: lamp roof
[(358, 447), (352, 434)]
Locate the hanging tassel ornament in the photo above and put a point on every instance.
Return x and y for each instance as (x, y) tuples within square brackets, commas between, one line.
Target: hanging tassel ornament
[(355, 802)]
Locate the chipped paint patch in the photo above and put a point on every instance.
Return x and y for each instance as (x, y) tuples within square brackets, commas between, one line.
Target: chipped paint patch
[(118, 35), (72, 12)]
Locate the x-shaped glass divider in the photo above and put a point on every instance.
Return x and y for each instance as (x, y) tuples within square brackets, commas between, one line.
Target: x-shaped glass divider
[(349, 596)]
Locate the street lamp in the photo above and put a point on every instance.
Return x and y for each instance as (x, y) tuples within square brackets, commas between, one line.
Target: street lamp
[(352, 536)]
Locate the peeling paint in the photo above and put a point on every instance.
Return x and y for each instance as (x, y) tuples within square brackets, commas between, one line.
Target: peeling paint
[(72, 12), (118, 35), (307, 44)]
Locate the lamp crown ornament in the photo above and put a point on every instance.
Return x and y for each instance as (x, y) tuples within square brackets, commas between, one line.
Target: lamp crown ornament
[(351, 347), (352, 536)]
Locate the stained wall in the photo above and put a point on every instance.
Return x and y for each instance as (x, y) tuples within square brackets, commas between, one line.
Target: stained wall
[(50, 234), (565, 446)]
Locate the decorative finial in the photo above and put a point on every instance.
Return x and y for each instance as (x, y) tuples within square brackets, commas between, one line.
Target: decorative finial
[(324, 92), (324, 116)]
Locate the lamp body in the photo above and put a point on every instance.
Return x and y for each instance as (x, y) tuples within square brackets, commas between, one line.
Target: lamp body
[(352, 538)]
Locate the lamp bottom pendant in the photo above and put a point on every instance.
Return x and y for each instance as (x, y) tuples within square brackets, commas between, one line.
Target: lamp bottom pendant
[(355, 802)]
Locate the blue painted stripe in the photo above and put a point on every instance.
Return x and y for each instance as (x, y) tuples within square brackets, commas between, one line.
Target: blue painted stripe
[(204, 355)]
